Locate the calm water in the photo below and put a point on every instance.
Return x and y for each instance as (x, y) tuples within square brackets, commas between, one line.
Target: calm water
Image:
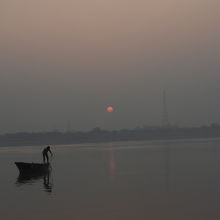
[(172, 180)]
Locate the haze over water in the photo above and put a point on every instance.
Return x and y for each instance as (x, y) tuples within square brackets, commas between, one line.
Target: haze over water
[(128, 180), (62, 63)]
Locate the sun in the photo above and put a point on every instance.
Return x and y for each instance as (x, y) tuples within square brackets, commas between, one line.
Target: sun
[(109, 109)]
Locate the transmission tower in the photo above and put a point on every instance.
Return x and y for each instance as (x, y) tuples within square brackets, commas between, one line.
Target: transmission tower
[(165, 118), (68, 126)]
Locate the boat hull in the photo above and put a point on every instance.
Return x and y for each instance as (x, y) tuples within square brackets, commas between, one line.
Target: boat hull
[(32, 167)]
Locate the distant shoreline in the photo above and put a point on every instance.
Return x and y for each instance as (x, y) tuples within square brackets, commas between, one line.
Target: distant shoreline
[(97, 135)]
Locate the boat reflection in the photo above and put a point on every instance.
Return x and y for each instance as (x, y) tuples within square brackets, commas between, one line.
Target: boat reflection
[(31, 178)]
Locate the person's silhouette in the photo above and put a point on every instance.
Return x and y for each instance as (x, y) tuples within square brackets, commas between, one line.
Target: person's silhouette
[(45, 154)]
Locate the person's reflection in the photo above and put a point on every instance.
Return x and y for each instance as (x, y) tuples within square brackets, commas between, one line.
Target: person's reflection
[(31, 178), (47, 183)]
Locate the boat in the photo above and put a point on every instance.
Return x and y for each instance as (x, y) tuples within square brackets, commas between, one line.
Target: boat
[(33, 167)]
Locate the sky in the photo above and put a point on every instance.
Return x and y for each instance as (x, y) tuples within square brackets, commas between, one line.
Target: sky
[(63, 62)]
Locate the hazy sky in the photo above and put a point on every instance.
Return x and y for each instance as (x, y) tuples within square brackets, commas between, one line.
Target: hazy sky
[(68, 60)]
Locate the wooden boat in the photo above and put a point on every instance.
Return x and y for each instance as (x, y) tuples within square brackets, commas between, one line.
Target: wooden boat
[(33, 167)]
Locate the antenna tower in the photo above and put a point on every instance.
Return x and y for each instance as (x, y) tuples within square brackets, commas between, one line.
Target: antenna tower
[(165, 120)]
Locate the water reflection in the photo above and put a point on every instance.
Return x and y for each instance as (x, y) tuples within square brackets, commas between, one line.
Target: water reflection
[(112, 164), (32, 178)]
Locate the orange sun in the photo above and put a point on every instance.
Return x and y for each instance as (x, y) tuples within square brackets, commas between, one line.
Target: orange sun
[(109, 109)]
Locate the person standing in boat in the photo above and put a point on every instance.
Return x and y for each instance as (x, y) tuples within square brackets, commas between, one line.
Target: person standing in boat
[(45, 154)]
